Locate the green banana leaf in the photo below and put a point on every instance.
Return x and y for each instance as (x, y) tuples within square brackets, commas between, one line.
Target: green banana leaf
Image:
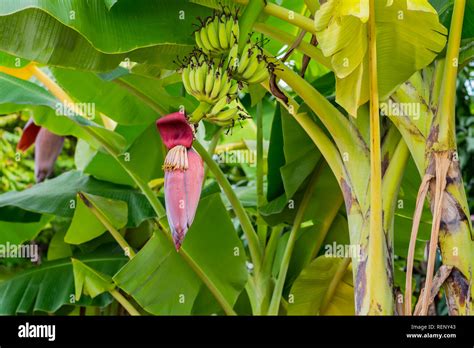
[(20, 232), (58, 197), (50, 286), (89, 281), (46, 109), (95, 36), (163, 283), (85, 226)]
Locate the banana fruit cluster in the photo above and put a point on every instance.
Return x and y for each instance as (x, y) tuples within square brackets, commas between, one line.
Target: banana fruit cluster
[(225, 114), (251, 67), (216, 71), (217, 34), (207, 80)]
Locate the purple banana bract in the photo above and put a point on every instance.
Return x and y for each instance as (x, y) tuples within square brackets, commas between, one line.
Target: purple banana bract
[(184, 174)]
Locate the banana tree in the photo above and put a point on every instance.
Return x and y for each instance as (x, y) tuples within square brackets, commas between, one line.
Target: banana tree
[(334, 167)]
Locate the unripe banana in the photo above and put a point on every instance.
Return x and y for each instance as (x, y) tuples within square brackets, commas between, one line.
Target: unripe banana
[(186, 82), (233, 58), (200, 77), (221, 104), (229, 23), (206, 45), (192, 73), (261, 75), (213, 33), (245, 57), (217, 86), (197, 37), (223, 37), (235, 31), (218, 34), (251, 68), (209, 81), (225, 115)]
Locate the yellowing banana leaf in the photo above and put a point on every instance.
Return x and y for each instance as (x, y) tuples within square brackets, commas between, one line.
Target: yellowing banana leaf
[(309, 294), (409, 36)]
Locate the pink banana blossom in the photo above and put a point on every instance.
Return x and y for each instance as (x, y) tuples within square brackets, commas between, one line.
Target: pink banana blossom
[(184, 174), (48, 146)]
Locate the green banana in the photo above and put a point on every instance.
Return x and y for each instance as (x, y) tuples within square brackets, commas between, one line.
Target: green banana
[(251, 68), (245, 57), (200, 77), (260, 75), (192, 73), (217, 86), (209, 81), (225, 115), (206, 45), (223, 37), (213, 33), (186, 82)]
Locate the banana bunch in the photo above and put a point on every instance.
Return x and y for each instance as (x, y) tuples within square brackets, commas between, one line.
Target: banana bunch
[(218, 34), (252, 65), (207, 80), (225, 114)]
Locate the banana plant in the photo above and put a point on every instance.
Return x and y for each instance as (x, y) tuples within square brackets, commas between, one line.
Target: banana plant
[(306, 86)]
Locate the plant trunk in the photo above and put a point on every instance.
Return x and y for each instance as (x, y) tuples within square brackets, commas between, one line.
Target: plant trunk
[(454, 237)]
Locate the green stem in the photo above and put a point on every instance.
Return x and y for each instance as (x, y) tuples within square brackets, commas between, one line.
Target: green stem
[(239, 210), (285, 262), (445, 116), (286, 15), (212, 148), (247, 19), (288, 39), (317, 135), (270, 249), (347, 137), (312, 5), (261, 226), (124, 302)]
